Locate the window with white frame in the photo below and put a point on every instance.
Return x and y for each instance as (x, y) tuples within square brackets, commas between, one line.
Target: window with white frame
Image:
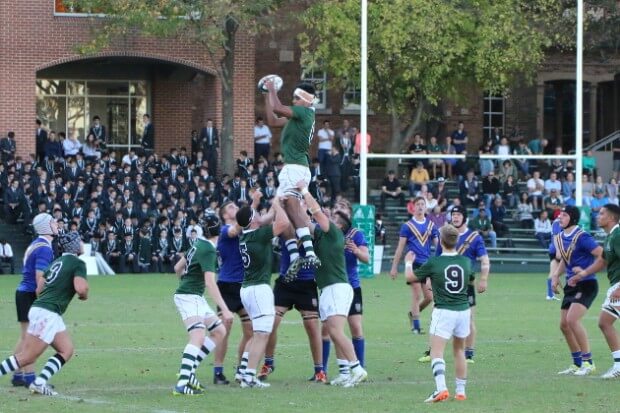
[(319, 79), (494, 113), (352, 97)]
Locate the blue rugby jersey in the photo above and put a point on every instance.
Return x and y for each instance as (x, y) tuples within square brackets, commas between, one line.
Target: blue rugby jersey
[(470, 244), (230, 262), (556, 228), (39, 255), (358, 239), (575, 250), (304, 274), (420, 236)]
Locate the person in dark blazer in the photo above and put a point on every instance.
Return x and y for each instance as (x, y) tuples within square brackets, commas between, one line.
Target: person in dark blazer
[(98, 130), (8, 147), (41, 139), (148, 135), (209, 135)]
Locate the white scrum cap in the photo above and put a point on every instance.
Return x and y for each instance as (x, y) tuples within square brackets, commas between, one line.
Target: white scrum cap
[(42, 224)]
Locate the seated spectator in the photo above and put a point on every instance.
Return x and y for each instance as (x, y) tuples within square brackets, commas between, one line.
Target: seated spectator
[(554, 203), (535, 188), (498, 215), (53, 148), (568, 186), (483, 225), (456, 201), (553, 183), (418, 177), (490, 187), (589, 163), (71, 146), (390, 188), (599, 184), (91, 149), (431, 202), (507, 169), (470, 189), (612, 191), (525, 211), (440, 192), (542, 229), (596, 204), (503, 149), (435, 149), (6, 256), (509, 192), (437, 217)]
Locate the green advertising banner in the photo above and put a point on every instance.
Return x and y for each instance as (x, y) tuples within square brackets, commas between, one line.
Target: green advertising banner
[(364, 220)]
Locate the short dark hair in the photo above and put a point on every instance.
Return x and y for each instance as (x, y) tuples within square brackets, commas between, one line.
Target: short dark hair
[(613, 210), (308, 87), (244, 216)]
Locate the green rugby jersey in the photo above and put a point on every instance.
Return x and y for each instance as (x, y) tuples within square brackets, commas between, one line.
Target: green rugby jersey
[(611, 253), (200, 258), (257, 255), (59, 291), (297, 135), (449, 275), (329, 247)]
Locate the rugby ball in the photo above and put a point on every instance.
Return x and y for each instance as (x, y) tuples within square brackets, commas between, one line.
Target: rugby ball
[(277, 81)]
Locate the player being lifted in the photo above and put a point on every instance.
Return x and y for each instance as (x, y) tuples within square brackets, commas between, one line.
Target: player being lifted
[(416, 235), (197, 272), (450, 274), (256, 294), (608, 219), (64, 278), (37, 258), (298, 123), (336, 292), (575, 250)]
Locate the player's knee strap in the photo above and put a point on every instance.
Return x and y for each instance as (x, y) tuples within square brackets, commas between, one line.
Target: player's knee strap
[(245, 318), (280, 313), (214, 325), (198, 325), (313, 316)]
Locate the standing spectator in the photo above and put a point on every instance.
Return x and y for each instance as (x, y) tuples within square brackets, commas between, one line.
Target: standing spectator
[(6, 255), (459, 138), (210, 136), (434, 148), (148, 135), (332, 168), (417, 178), (490, 188), (390, 188), (496, 136), (345, 136), (72, 145), (8, 148), (358, 141), (542, 229), (41, 141), (99, 131), (196, 143), (326, 139), (449, 149), (262, 139)]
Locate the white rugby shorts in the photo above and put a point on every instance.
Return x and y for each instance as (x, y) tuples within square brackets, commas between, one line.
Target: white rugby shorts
[(335, 299), (289, 176), (44, 324), (447, 323), (610, 305), (259, 303), (192, 305)]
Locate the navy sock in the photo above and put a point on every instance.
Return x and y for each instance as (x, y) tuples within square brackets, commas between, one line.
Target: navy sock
[(29, 378), (416, 324), (577, 360), (326, 346), (218, 370), (469, 353), (587, 357), (549, 289), (269, 361), (318, 368), (358, 346)]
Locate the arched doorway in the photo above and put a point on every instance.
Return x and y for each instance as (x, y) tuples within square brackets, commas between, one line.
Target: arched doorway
[(559, 113)]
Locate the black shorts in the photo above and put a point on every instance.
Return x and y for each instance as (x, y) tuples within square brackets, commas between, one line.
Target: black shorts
[(301, 294), (583, 293), (23, 302), (471, 295), (231, 293), (357, 306)]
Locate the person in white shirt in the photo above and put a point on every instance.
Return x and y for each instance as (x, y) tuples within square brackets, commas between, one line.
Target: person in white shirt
[(542, 229), (193, 227), (129, 158), (71, 146), (535, 187), (6, 255), (262, 139), (326, 139)]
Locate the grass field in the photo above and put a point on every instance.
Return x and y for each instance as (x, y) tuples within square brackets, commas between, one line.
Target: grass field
[(129, 338)]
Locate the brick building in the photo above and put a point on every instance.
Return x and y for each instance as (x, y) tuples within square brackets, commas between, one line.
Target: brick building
[(42, 76)]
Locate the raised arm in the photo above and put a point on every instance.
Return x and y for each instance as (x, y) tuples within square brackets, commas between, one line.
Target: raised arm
[(276, 113), (314, 207)]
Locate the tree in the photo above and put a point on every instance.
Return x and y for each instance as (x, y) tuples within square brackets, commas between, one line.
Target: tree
[(209, 24), (421, 52)]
